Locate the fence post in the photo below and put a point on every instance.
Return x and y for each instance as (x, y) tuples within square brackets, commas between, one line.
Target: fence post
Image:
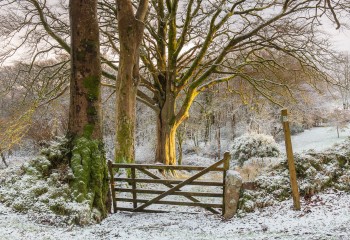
[(290, 157), (227, 158), (110, 169), (134, 196)]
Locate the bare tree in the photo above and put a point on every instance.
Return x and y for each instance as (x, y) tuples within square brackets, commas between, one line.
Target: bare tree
[(342, 75), (339, 119), (188, 47), (22, 93), (46, 32), (34, 30), (191, 46)]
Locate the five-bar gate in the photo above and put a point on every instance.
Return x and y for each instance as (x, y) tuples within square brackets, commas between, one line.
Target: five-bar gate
[(136, 186)]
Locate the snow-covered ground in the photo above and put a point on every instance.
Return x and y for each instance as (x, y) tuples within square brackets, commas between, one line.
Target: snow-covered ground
[(318, 138), (326, 216)]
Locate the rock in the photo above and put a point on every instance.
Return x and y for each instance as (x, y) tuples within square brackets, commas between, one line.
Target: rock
[(232, 192)]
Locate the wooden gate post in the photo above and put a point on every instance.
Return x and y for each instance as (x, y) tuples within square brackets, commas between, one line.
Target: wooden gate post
[(227, 158), (133, 184), (290, 157), (112, 185)]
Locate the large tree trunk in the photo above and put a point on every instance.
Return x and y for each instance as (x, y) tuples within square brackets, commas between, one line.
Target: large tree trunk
[(87, 160), (166, 131), (131, 29), (166, 145), (125, 113)]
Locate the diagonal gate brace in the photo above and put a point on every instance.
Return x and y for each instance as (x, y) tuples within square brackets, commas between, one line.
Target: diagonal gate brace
[(171, 186), (180, 185)]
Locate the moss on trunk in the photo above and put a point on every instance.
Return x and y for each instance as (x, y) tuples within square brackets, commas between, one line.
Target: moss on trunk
[(124, 151), (90, 171)]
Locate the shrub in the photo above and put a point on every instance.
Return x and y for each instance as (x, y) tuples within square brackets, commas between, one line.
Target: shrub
[(43, 192), (254, 145), (316, 172)]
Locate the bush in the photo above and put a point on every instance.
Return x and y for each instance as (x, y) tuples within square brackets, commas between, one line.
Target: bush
[(316, 172), (296, 128), (42, 191), (254, 145)]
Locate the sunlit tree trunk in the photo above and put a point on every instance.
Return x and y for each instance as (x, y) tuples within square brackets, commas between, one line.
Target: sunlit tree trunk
[(168, 121), (166, 144)]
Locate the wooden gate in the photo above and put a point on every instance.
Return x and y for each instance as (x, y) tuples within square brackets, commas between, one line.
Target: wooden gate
[(174, 186)]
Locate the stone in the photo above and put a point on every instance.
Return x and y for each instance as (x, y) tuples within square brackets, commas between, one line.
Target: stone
[(233, 184)]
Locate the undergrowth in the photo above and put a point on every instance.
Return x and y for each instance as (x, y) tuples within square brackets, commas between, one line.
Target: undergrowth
[(316, 172), (40, 188)]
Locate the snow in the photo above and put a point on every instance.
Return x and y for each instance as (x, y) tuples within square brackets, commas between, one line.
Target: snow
[(235, 174), (318, 138), (324, 216)]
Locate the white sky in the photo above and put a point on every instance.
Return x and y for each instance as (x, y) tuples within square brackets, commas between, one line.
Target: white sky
[(341, 40)]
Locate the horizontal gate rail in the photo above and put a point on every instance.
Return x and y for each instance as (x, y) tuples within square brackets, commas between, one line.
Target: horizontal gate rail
[(182, 193), (174, 186), (145, 210), (166, 167), (193, 204), (169, 181)]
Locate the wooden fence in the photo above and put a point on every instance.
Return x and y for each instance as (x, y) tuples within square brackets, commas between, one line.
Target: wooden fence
[(174, 186)]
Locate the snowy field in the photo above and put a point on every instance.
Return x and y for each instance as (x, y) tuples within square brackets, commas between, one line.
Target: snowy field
[(318, 138), (325, 216)]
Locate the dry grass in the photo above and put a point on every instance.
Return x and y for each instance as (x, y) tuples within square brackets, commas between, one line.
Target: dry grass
[(252, 169), (249, 172)]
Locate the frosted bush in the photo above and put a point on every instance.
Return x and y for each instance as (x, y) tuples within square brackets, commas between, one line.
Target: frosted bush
[(40, 188), (316, 172), (254, 145)]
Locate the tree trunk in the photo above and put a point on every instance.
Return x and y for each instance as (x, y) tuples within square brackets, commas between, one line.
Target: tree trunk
[(166, 131), (166, 145), (87, 160), (125, 116), (131, 29), (3, 158), (180, 137), (166, 135), (219, 141), (179, 162), (233, 127), (207, 128), (338, 131)]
